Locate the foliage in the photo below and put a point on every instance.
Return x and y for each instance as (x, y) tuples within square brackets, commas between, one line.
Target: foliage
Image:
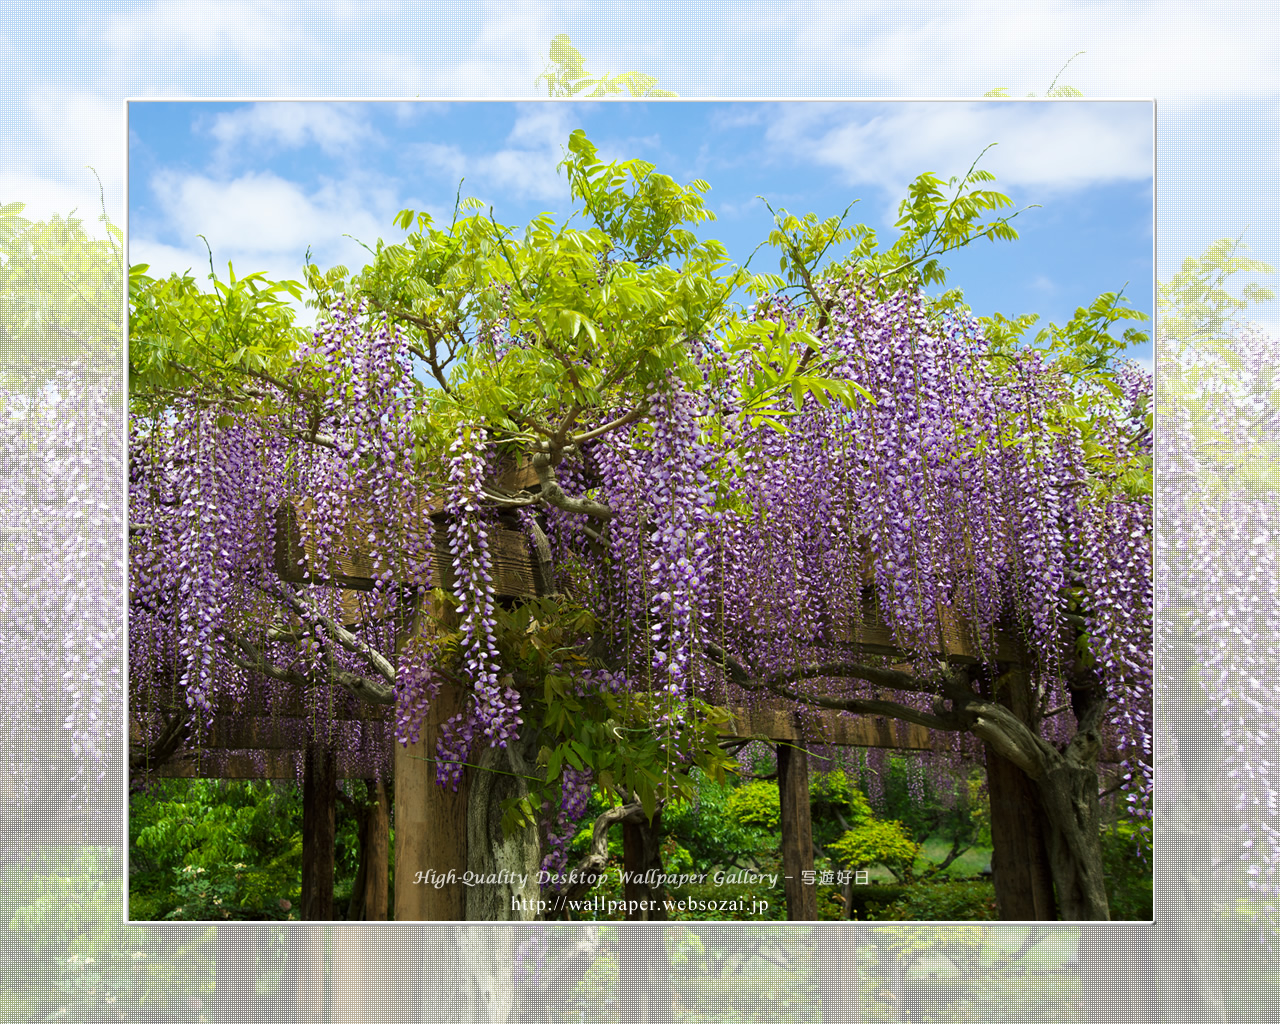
[(755, 805), (565, 76), (872, 842), (59, 290), (66, 910), (238, 335), (1126, 855), (942, 900), (1054, 90), (714, 837), (210, 850)]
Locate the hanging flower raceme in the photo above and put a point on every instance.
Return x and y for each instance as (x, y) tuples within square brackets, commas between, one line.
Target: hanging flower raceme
[(497, 705), (952, 491)]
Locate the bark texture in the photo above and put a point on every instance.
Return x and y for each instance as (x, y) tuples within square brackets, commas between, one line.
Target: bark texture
[(797, 832), (507, 865), (319, 796), (642, 853)]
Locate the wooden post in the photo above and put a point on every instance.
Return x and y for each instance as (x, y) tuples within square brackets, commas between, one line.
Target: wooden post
[(797, 832), (369, 980), (839, 986), (377, 851), (431, 826), (301, 995), (319, 795)]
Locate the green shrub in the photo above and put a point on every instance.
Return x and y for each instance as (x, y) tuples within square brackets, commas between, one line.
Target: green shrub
[(871, 842), (756, 804), (949, 900), (1126, 861)]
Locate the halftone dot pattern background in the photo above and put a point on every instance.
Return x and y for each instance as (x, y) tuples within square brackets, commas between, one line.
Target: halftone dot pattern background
[(61, 557)]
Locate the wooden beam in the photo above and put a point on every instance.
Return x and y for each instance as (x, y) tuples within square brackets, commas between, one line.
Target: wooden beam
[(360, 560), (247, 764), (227, 732), (869, 633), (837, 728)]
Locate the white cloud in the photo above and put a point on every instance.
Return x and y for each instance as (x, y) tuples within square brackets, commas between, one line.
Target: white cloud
[(204, 28), (71, 132), (257, 211), (335, 128), (260, 219), (1047, 146), (526, 168), (1175, 49)]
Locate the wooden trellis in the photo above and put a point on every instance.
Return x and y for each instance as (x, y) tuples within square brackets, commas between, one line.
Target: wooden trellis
[(431, 822)]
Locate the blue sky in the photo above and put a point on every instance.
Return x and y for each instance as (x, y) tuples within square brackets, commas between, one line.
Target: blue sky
[(265, 181)]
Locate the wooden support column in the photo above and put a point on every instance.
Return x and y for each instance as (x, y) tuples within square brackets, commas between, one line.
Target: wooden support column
[(431, 826), (369, 981), (797, 832), (319, 795)]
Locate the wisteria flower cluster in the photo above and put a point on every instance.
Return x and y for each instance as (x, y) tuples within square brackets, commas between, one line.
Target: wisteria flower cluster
[(945, 498)]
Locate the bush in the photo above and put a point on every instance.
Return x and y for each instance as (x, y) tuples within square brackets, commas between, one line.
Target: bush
[(205, 849), (1126, 861), (950, 900), (871, 841), (756, 804)]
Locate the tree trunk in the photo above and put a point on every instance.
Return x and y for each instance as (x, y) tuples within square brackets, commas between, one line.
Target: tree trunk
[(505, 868), (836, 952), (1070, 796), (235, 972), (644, 975), (642, 854), (319, 795), (1068, 788), (1020, 864), (797, 833), (301, 995), (1117, 977), (456, 990)]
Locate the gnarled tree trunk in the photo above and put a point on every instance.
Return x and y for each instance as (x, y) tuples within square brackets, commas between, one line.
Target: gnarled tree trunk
[(506, 867), (1067, 783)]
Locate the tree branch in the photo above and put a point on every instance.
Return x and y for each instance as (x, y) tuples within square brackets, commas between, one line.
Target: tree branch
[(361, 686), (887, 677), (344, 637), (551, 493), (591, 867), (948, 722), (1005, 733), (635, 414)]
